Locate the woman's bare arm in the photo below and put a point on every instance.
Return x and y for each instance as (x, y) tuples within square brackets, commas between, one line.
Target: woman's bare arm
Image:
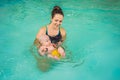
[(40, 32)]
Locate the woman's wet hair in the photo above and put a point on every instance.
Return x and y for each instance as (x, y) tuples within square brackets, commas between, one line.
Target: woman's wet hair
[(57, 10)]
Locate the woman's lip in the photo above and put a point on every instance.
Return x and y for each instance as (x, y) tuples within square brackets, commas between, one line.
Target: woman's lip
[(57, 25)]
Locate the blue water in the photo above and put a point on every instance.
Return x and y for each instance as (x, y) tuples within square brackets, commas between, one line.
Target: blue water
[(92, 43)]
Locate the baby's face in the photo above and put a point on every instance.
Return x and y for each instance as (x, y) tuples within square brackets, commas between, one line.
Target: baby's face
[(45, 41)]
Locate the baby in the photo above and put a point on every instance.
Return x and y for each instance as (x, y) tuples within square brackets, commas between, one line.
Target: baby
[(48, 48)]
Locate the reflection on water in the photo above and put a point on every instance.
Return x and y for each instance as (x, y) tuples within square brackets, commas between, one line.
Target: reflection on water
[(43, 63)]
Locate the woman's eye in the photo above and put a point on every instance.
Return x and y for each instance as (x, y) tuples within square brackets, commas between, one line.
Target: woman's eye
[(56, 20), (60, 21)]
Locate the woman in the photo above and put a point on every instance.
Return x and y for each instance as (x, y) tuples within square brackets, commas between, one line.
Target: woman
[(56, 33)]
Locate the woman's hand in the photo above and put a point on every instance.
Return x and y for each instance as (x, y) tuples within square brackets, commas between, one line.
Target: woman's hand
[(59, 43), (54, 45)]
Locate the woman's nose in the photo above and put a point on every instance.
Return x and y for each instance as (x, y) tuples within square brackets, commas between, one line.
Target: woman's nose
[(58, 22)]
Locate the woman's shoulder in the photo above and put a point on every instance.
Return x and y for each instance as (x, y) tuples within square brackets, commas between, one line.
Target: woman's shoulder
[(63, 31), (43, 28), (41, 31)]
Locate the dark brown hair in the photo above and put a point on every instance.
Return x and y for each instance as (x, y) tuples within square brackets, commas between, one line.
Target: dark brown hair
[(57, 10)]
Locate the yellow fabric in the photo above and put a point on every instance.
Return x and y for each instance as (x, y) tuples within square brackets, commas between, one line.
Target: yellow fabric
[(56, 53)]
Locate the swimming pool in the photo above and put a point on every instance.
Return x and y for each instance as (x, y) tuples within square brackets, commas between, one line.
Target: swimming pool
[(93, 39)]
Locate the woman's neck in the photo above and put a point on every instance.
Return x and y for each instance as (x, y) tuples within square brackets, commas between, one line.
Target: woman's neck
[(53, 27)]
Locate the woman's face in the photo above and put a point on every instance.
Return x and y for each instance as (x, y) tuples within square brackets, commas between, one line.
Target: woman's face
[(57, 20)]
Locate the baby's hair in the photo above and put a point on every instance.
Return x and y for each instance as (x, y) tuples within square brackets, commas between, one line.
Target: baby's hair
[(57, 10)]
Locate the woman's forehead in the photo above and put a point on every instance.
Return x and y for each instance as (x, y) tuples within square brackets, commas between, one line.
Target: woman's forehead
[(58, 16)]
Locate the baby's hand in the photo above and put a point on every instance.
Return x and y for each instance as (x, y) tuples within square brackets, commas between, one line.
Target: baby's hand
[(42, 50), (45, 49)]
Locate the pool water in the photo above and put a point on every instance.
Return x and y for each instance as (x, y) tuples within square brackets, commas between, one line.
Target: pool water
[(92, 44)]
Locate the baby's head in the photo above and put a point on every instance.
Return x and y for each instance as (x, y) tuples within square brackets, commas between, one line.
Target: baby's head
[(44, 40)]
